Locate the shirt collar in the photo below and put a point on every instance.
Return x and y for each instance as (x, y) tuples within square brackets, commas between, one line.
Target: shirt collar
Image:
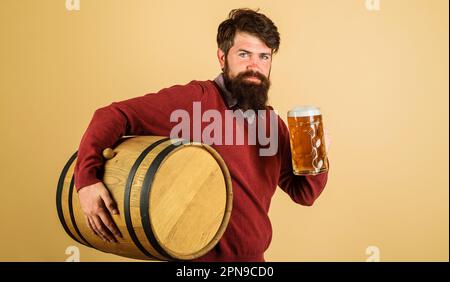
[(231, 102)]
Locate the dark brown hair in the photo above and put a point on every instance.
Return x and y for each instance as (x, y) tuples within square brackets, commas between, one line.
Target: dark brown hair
[(249, 21)]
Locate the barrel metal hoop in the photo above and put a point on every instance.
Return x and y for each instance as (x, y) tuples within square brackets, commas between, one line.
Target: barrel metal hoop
[(59, 191), (127, 196), (72, 217), (145, 203)]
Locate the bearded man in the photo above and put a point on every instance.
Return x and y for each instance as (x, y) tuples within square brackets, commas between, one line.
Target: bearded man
[(247, 41)]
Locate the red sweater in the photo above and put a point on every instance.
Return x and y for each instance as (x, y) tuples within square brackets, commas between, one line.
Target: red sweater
[(254, 177)]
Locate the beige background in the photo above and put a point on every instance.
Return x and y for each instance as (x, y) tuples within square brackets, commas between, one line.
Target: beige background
[(380, 77)]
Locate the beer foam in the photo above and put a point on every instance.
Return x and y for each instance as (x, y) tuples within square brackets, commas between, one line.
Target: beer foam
[(304, 111)]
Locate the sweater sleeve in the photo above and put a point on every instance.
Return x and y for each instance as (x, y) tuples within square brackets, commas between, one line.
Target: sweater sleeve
[(303, 190), (145, 115)]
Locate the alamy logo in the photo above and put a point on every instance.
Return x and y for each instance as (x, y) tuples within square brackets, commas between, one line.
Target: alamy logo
[(372, 5), (73, 5), (262, 128), (74, 254), (374, 254)]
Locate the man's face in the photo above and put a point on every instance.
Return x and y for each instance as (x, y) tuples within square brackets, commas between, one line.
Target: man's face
[(248, 53), (246, 70)]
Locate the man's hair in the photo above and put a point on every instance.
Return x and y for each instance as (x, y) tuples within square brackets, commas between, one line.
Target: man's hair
[(249, 21)]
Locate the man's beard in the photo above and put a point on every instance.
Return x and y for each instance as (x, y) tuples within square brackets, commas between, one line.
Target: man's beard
[(248, 94)]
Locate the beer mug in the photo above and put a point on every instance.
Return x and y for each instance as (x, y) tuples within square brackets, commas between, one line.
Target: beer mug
[(309, 156)]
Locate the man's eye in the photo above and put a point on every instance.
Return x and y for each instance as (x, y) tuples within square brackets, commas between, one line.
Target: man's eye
[(243, 55), (265, 57)]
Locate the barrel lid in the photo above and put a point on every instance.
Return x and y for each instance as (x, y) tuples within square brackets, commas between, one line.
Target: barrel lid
[(190, 200)]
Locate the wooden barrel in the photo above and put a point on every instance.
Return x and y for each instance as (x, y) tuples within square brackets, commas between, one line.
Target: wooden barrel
[(174, 199)]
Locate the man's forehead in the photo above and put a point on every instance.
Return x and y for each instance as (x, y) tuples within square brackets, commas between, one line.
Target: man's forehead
[(249, 42)]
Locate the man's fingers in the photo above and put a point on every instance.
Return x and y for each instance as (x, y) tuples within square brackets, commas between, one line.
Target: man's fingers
[(96, 231), (109, 203), (88, 223), (98, 205), (101, 228), (109, 223)]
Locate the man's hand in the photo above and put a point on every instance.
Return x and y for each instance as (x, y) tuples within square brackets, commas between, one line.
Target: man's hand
[(97, 204)]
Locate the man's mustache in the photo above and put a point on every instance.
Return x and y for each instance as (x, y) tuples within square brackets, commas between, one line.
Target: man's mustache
[(251, 73)]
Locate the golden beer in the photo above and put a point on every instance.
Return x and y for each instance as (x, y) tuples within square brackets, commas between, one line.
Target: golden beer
[(309, 156)]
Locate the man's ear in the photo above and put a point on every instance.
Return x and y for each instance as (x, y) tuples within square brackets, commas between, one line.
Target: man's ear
[(221, 58)]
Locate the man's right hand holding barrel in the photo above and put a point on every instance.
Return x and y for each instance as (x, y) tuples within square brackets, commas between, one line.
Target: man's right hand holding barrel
[(98, 205)]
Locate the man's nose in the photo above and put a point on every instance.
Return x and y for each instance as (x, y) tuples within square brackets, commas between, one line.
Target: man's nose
[(253, 64)]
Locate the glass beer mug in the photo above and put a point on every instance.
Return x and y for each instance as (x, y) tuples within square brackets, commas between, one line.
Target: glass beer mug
[(309, 156)]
